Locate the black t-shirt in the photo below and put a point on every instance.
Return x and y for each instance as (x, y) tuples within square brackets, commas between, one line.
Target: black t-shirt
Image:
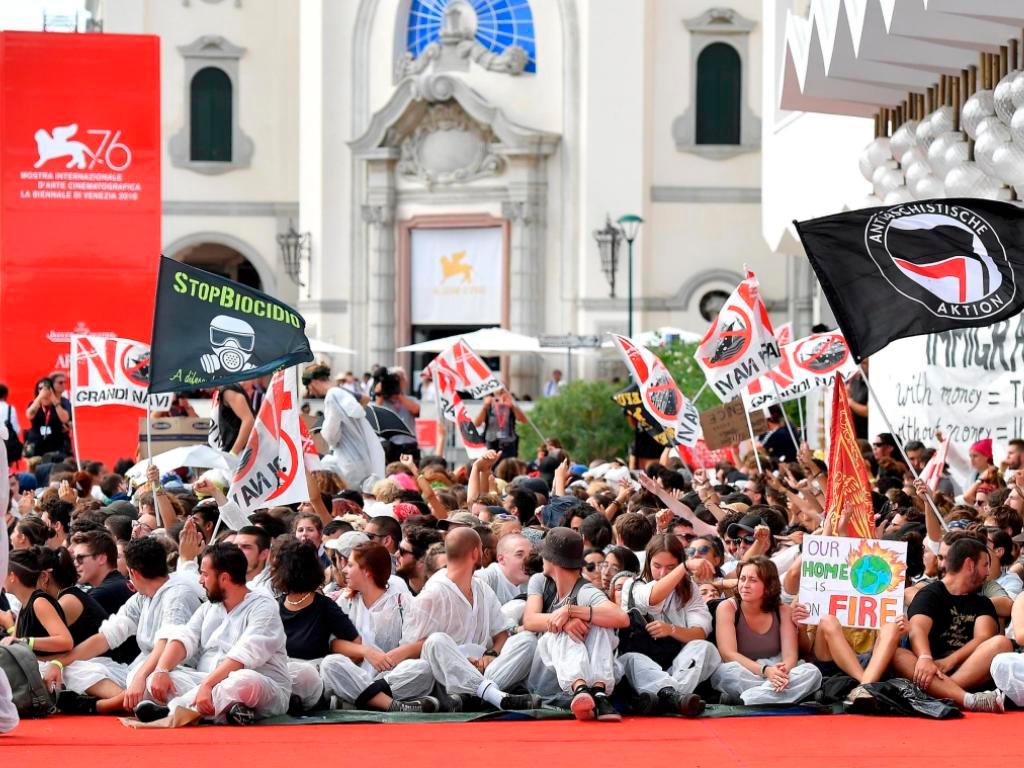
[(952, 616), (47, 430), (28, 624), (111, 594), (310, 629), (857, 391), (89, 620)]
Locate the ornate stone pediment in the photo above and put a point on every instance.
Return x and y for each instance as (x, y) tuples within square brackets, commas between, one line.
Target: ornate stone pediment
[(448, 146), (443, 132)]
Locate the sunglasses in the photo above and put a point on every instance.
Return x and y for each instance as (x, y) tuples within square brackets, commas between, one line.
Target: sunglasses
[(701, 551), (373, 536), (591, 567), (408, 552), (878, 445), (79, 559)]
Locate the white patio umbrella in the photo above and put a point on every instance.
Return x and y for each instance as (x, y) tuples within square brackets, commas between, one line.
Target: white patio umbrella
[(486, 341), (200, 455), (326, 348)]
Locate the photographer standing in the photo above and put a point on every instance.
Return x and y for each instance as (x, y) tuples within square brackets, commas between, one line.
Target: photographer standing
[(48, 417), (388, 387), (499, 416)]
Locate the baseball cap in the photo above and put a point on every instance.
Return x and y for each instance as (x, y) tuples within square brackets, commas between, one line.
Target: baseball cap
[(746, 525), (457, 520), (345, 543), (563, 547)]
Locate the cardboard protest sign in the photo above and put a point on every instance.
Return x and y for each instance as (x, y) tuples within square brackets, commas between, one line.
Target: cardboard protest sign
[(726, 425), (111, 371), (272, 468), (209, 331), (859, 581)]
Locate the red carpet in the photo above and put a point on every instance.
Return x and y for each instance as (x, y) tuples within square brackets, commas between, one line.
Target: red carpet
[(766, 742)]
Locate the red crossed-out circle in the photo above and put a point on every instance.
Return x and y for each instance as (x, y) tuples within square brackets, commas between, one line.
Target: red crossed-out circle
[(661, 382), (811, 352), (744, 332), (134, 364)]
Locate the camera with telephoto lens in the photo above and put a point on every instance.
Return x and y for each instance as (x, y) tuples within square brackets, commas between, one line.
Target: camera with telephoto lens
[(386, 384)]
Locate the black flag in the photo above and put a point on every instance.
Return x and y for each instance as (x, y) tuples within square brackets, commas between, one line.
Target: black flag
[(209, 331), (916, 268), (632, 404)]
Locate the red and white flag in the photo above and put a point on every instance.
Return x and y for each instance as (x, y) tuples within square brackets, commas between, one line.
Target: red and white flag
[(784, 334), (936, 465), (807, 364), (469, 373), (659, 393), (308, 448), (111, 371), (453, 410), (271, 471), (740, 345)]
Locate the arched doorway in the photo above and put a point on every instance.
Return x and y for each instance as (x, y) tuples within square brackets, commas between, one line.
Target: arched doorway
[(221, 260)]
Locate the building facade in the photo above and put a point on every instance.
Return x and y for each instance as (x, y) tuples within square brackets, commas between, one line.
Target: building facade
[(444, 164)]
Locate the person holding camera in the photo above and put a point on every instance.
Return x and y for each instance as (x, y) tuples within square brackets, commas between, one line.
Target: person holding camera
[(48, 417), (388, 386), (498, 417)]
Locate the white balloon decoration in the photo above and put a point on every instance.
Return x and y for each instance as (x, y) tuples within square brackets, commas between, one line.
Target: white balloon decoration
[(975, 109), (1008, 163), (937, 151), (968, 180), (1003, 96), (992, 134), (875, 154), (899, 195)]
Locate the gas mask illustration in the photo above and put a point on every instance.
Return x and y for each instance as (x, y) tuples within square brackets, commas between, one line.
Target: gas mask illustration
[(232, 341)]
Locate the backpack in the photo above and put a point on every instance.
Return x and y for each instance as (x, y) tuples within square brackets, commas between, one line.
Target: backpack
[(551, 593), (12, 443), (30, 696), (636, 639)]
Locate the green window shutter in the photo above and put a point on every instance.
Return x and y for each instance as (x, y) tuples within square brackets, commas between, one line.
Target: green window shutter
[(719, 90), (211, 129)]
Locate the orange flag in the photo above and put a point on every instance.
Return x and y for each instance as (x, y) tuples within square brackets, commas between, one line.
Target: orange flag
[(849, 490)]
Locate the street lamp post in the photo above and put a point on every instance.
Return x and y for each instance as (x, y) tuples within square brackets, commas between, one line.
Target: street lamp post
[(608, 239), (630, 224)]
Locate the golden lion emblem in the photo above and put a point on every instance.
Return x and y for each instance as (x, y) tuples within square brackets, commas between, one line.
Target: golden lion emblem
[(454, 265)]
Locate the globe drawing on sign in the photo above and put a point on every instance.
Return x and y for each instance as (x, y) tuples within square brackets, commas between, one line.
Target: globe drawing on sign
[(874, 570)]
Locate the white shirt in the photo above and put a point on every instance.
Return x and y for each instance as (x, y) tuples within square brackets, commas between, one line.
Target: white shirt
[(693, 614), (149, 619), (354, 444), (252, 634), (261, 582), (441, 607), (10, 414), (380, 624), (495, 578), (1012, 583)]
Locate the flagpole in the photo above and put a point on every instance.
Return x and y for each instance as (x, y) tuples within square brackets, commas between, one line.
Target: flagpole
[(74, 421), (700, 392), (149, 429), (753, 440), (800, 415), (529, 421), (899, 445)]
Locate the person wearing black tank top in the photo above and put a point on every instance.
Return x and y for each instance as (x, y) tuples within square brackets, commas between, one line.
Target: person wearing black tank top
[(757, 640), (41, 624), (82, 613)]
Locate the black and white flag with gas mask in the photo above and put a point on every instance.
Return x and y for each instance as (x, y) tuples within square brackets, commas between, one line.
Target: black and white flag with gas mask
[(209, 331)]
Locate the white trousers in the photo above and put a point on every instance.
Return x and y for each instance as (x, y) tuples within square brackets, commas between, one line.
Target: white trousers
[(80, 676), (343, 678), (735, 679), (1008, 673), (243, 686), (560, 661), (9, 718), (306, 681), (182, 678), (451, 668), (694, 664)]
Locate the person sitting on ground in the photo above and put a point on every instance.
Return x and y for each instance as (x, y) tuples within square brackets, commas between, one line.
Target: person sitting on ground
[(507, 576), (355, 673), (240, 641), (953, 632), (95, 556), (576, 624), (412, 550), (757, 640), (40, 623), (96, 684), (456, 635), (670, 602)]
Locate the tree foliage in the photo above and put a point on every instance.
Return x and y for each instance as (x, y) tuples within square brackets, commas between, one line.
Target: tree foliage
[(584, 418)]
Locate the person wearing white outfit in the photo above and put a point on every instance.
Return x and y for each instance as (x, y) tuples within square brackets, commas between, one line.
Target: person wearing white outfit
[(161, 601), (456, 635), (354, 444), (240, 641), (757, 640), (507, 575), (355, 674), (8, 713), (575, 624), (673, 608), (1008, 668)]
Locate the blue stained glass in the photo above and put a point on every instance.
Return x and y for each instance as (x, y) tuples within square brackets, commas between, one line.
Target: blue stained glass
[(500, 23)]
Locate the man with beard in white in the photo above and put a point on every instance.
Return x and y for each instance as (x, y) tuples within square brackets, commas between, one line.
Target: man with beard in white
[(455, 634), (241, 645), (507, 575), (161, 601)]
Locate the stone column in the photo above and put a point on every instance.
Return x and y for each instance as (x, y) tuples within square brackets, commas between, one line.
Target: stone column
[(526, 281), (381, 284)]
